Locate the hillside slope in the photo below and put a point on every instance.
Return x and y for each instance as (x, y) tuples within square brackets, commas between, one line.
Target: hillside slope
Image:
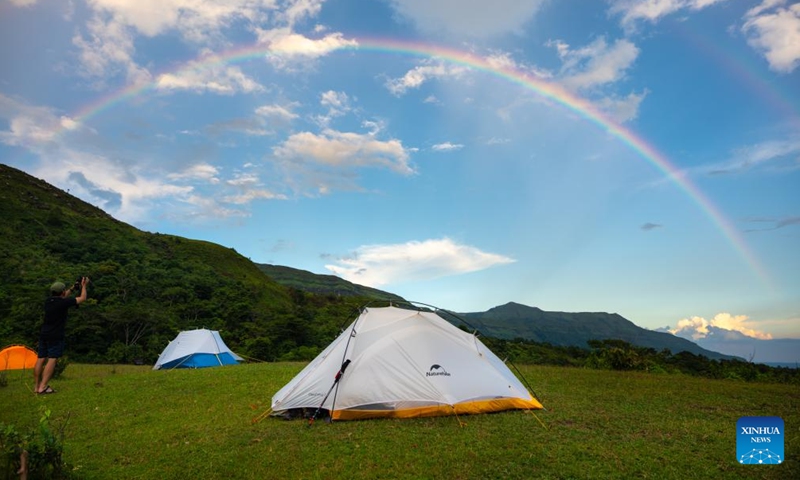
[(145, 287), (322, 284)]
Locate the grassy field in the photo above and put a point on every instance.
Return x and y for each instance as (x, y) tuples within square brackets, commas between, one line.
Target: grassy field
[(130, 422)]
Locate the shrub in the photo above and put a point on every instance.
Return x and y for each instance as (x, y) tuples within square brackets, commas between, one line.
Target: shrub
[(40, 449)]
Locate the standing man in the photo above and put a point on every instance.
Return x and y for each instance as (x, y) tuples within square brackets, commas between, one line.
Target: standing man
[(51, 337)]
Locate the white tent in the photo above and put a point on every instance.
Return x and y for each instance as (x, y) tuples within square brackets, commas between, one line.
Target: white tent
[(196, 349), (401, 363)]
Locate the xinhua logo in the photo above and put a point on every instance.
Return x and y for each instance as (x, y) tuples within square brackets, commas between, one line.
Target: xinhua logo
[(759, 440), (437, 371)]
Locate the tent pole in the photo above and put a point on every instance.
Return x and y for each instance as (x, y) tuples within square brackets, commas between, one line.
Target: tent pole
[(345, 362), (526, 383), (181, 362), (335, 382)]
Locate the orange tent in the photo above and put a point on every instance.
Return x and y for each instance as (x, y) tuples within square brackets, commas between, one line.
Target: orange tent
[(17, 357)]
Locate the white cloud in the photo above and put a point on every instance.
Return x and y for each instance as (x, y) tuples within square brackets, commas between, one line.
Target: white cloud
[(329, 161), (277, 115), (299, 10), (107, 46), (251, 195), (622, 109), (698, 326), (447, 147), (418, 75), (593, 69), (109, 51), (775, 156), (249, 188), (378, 265), (200, 171), (345, 150), (374, 126), (31, 126), (289, 50), (504, 61), (596, 64), (632, 11), (770, 152), (244, 180), (468, 18), (23, 3), (204, 77), (195, 20), (129, 189), (124, 190), (338, 104), (205, 209), (773, 29)]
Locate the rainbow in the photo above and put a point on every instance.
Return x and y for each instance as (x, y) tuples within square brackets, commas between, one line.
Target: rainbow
[(740, 68), (548, 90)]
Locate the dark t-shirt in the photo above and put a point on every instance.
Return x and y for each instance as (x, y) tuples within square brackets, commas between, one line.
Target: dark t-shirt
[(55, 317)]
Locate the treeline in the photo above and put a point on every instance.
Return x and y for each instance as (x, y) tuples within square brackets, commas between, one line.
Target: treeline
[(145, 287), (135, 308), (621, 355)]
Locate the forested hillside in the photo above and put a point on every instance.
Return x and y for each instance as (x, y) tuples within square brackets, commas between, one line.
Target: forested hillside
[(145, 287), (324, 284)]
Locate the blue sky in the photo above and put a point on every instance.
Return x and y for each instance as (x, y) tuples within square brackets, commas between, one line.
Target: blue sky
[(330, 136)]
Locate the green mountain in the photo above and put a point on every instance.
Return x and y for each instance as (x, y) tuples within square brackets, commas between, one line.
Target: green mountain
[(323, 284), (514, 320), (146, 287)]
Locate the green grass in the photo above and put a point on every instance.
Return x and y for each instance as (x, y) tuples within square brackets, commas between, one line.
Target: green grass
[(131, 422)]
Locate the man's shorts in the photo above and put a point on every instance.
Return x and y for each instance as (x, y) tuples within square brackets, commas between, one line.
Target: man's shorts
[(50, 348)]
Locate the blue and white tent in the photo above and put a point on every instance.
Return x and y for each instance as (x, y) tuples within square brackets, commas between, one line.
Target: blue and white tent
[(196, 349)]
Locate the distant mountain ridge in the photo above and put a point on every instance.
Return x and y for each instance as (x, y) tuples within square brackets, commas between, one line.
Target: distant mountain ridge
[(778, 350), (322, 284), (514, 320), (147, 286)]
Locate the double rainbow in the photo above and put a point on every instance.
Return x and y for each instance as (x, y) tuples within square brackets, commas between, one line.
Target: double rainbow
[(548, 90)]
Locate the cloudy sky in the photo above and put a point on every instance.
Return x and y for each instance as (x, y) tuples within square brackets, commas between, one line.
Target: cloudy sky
[(631, 156)]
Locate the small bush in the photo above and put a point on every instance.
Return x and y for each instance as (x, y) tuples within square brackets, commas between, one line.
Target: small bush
[(43, 446)]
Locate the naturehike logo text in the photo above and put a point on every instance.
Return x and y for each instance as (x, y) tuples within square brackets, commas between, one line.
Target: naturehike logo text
[(437, 373), (759, 441)]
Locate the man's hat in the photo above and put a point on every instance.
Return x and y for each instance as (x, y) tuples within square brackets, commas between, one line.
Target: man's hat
[(57, 287)]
